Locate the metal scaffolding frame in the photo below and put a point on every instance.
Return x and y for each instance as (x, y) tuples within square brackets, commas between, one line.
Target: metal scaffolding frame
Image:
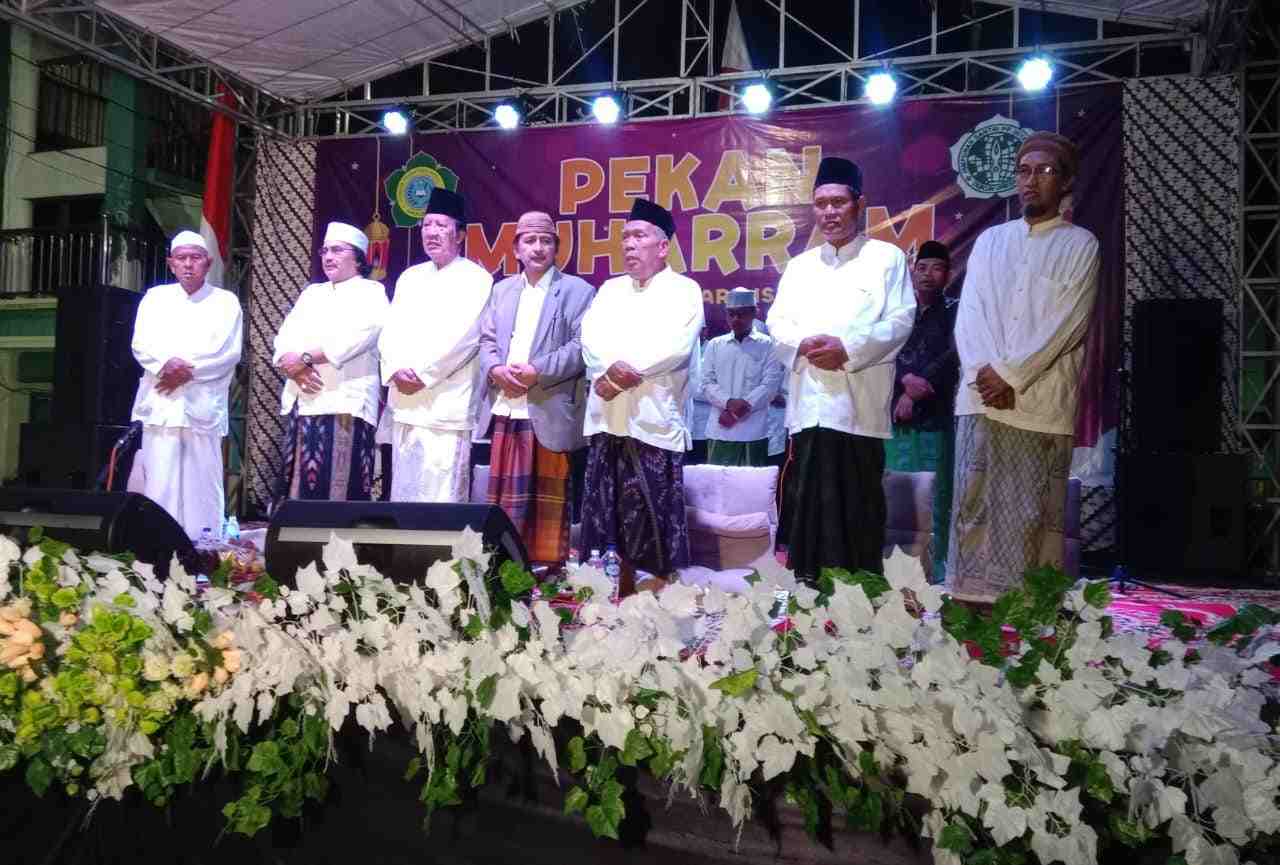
[(1259, 244)]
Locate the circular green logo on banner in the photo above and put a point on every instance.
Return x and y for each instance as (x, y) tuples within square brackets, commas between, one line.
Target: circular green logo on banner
[(409, 187), (984, 158)]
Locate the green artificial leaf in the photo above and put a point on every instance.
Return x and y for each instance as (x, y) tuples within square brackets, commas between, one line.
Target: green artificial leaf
[(957, 838), (801, 796), (411, 771), (1098, 594), (635, 749), (601, 822), (577, 754), (1182, 628), (1098, 782), (575, 801), (488, 687), (737, 684), (1244, 623), (9, 755), (712, 759), (1131, 833), (602, 773), (35, 534), (266, 758), (474, 627), (663, 759), (39, 775), (54, 549), (753, 578), (515, 579), (267, 587), (867, 764)]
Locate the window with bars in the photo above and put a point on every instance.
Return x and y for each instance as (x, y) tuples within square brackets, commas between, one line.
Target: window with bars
[(73, 109)]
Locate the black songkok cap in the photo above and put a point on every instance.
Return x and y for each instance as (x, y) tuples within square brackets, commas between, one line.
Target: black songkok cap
[(834, 169), (934, 249), (654, 214), (447, 202)]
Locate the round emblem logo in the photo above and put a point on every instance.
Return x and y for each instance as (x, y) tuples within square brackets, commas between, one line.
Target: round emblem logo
[(409, 187), (984, 158)]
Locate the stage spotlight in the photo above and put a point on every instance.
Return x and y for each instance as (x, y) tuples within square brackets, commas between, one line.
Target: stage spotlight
[(1035, 74), (606, 109), (395, 121), (757, 98), (881, 88), (507, 115)]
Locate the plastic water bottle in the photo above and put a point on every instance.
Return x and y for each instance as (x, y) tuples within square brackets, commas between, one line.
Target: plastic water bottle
[(575, 559), (206, 538), (612, 564), (595, 561), (231, 529)]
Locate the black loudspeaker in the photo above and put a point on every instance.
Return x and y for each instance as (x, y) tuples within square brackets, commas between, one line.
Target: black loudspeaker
[(95, 375), (65, 456), (1184, 513), (401, 540), (1177, 376), (98, 522)]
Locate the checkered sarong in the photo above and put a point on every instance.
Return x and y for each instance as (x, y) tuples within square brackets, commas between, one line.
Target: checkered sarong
[(531, 484)]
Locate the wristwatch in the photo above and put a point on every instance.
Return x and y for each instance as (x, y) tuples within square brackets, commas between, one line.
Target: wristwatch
[(306, 358)]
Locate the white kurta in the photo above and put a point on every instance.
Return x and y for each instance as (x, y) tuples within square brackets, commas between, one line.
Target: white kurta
[(862, 294), (528, 311), (654, 328), (433, 328), (343, 320), (1025, 307), (740, 369), (181, 453)]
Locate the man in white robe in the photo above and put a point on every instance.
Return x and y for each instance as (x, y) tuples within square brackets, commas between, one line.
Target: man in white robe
[(429, 350), (187, 338)]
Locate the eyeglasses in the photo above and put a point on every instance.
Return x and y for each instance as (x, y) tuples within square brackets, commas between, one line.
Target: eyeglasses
[(336, 250), (1024, 172)]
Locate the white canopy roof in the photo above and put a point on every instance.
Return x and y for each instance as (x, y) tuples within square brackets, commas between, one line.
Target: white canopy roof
[(308, 49)]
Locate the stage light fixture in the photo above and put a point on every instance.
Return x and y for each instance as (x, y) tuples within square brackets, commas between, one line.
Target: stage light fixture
[(507, 115), (1035, 74), (606, 109), (881, 88), (757, 98), (395, 121)]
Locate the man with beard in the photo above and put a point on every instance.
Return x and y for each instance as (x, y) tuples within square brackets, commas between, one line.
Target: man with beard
[(843, 310), (924, 391), (1025, 307), (429, 347), (637, 339), (187, 338), (531, 369)]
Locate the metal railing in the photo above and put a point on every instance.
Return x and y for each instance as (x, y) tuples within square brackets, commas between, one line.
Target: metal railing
[(38, 261)]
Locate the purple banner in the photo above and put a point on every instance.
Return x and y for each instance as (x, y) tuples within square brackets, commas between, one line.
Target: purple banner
[(739, 188)]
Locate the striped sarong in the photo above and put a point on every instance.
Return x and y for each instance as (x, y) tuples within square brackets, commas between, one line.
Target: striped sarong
[(1008, 508), (533, 485)]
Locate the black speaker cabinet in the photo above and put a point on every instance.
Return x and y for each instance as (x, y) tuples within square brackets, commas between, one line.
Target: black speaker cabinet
[(98, 522), (401, 540), (1177, 376), (1184, 513), (95, 375), (66, 456)]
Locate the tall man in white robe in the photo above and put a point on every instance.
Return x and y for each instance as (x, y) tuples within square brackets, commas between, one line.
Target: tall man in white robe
[(187, 338), (429, 350), (843, 310), (1028, 295), (637, 339)]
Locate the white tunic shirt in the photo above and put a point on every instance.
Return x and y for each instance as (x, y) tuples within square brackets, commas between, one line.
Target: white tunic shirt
[(343, 320), (528, 312), (653, 327), (1028, 294), (434, 329), (862, 294), (740, 369), (204, 329)]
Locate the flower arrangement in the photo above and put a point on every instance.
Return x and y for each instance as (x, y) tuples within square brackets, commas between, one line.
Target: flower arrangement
[(1032, 734)]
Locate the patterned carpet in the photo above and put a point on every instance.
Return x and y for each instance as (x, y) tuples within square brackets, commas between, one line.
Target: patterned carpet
[(1138, 608)]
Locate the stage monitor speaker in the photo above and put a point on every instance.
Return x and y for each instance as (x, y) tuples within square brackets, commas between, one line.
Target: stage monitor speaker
[(400, 539), (1177, 379), (1184, 513), (98, 522), (95, 375)]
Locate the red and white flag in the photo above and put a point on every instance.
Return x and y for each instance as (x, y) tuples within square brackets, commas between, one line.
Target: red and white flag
[(215, 218), (735, 57)]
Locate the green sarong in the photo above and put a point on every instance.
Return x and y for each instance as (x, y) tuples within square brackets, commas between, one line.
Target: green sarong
[(722, 453), (913, 450)]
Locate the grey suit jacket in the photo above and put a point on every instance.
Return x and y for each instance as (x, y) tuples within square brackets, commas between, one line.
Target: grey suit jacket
[(557, 402)]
